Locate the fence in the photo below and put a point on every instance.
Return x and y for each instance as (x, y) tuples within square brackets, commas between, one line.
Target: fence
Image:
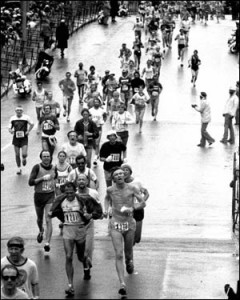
[(76, 14)]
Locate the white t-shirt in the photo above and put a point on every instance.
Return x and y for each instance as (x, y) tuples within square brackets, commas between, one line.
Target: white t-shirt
[(28, 274), (97, 115), (73, 151)]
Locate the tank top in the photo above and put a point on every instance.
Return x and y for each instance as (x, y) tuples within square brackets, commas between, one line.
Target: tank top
[(149, 72), (181, 39), (40, 98), (62, 175), (46, 186)]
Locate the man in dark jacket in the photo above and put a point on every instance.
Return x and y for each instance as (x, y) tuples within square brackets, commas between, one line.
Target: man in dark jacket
[(114, 9), (62, 35), (87, 131)]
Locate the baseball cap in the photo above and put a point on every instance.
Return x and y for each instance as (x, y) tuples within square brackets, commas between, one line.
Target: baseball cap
[(111, 132)]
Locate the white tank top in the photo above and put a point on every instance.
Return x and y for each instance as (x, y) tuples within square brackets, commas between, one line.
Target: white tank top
[(149, 72), (71, 211), (40, 97)]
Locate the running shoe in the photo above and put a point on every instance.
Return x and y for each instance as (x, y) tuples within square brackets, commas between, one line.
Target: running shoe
[(40, 236), (122, 291), (47, 247), (19, 171), (64, 113), (129, 266), (70, 291), (87, 275), (68, 119)]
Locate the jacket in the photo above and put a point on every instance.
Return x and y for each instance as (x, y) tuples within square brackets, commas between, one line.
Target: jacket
[(87, 203)]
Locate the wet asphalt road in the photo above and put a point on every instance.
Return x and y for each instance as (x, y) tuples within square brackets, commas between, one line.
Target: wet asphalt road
[(187, 249)]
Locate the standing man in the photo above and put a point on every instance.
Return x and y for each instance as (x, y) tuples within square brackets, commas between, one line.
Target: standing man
[(43, 177), (68, 87), (137, 214), (205, 112), (229, 112), (28, 273), (19, 126), (62, 35), (113, 154), (119, 203), (114, 9)]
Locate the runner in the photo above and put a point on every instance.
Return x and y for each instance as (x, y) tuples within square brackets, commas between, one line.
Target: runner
[(99, 116), (111, 86), (185, 26), (73, 148), (137, 45), (148, 70), (81, 75), (83, 169), (55, 106), (137, 214), (49, 124), (137, 28), (82, 190), (113, 154), (19, 126), (139, 100), (155, 89), (43, 177), (125, 87), (68, 87), (114, 104), (39, 96), (93, 78), (63, 169), (120, 122), (28, 281), (87, 132), (125, 54), (119, 203), (194, 63), (181, 45), (75, 212), (136, 82), (104, 80), (157, 60)]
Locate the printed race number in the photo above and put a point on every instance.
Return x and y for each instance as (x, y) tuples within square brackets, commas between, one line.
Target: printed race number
[(115, 157), (19, 134), (121, 226), (71, 217), (47, 185)]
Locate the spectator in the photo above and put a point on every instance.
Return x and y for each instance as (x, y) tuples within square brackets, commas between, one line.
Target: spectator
[(62, 35)]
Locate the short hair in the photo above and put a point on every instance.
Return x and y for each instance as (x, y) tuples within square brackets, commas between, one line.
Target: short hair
[(80, 156), (17, 239), (69, 132), (40, 155), (85, 110), (70, 184), (114, 169), (9, 266), (68, 73)]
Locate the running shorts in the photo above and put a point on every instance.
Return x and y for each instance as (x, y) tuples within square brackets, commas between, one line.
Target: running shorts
[(74, 232), (41, 199), (181, 46), (20, 142)]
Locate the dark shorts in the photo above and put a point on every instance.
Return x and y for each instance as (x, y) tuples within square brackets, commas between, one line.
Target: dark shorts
[(138, 215), (41, 199), (180, 47), (20, 142)]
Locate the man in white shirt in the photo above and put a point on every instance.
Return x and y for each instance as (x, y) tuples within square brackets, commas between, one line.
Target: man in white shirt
[(73, 148), (229, 112), (205, 112)]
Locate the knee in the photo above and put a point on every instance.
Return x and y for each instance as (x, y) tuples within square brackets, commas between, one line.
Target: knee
[(24, 155), (69, 258), (119, 256)]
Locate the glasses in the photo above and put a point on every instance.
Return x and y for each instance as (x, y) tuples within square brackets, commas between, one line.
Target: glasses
[(13, 278)]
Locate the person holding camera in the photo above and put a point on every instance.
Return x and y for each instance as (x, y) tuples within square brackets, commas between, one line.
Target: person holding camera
[(205, 111)]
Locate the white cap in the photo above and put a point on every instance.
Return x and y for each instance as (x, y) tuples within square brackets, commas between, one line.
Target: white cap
[(111, 132)]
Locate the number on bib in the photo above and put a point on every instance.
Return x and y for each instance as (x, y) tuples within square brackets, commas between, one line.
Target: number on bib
[(19, 134), (121, 226)]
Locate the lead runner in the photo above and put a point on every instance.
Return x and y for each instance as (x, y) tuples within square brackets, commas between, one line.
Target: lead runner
[(119, 203)]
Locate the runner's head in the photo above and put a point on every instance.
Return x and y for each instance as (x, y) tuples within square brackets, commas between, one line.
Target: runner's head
[(9, 272), (47, 109), (68, 75), (19, 111), (116, 95), (85, 114), (232, 90), (117, 175), (70, 190), (62, 155), (72, 137), (81, 162), (15, 248), (80, 65), (127, 169), (203, 95), (46, 157), (112, 136), (92, 69), (82, 181), (97, 102)]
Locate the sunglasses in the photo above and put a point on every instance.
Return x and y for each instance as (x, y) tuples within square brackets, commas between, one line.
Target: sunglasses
[(13, 278)]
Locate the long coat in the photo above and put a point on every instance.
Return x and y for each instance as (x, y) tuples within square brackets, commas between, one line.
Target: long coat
[(62, 35)]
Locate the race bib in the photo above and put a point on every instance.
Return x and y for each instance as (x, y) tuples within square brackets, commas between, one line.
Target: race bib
[(47, 126), (46, 185), (115, 157), (72, 217), (125, 87), (19, 134), (121, 226), (157, 59), (62, 180)]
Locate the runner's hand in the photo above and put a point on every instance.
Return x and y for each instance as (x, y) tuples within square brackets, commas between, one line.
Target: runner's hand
[(47, 177), (109, 158)]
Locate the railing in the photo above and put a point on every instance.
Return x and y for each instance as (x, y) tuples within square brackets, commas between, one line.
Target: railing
[(76, 15)]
